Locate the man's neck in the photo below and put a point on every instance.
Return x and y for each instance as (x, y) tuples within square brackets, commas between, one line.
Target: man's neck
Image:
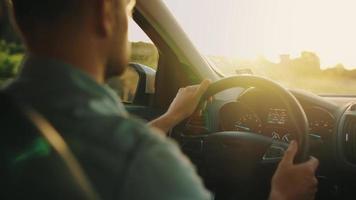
[(78, 52), (88, 66)]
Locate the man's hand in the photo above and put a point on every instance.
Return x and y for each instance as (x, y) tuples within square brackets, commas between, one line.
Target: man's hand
[(187, 100), (294, 181), (183, 105)]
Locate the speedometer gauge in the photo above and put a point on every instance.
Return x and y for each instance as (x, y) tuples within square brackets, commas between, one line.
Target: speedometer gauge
[(248, 122), (235, 116), (321, 121)]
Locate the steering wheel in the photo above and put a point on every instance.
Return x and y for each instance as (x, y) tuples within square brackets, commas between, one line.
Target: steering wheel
[(296, 115), (217, 148), (228, 159)]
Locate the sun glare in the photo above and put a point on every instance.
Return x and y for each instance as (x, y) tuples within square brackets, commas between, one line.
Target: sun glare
[(283, 40), (250, 28)]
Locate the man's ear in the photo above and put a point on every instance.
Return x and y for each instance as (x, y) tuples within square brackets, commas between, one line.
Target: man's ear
[(106, 21)]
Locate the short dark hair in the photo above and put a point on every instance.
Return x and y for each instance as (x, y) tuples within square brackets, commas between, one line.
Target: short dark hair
[(28, 13)]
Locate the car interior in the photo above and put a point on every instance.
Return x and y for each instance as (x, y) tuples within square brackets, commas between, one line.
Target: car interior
[(234, 140), (232, 164)]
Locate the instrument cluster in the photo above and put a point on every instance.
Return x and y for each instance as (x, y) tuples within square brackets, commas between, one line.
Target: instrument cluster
[(272, 121)]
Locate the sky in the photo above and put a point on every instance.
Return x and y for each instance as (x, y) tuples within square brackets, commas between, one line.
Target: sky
[(247, 29)]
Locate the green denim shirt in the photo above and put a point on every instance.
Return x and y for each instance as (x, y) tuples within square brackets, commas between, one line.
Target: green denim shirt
[(123, 157)]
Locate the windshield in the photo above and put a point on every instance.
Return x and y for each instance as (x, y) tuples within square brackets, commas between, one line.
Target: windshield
[(302, 44)]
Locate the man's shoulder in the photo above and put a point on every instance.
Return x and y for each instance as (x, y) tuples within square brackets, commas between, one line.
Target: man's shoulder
[(159, 170)]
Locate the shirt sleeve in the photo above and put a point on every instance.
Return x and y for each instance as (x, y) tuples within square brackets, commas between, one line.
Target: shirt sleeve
[(161, 171)]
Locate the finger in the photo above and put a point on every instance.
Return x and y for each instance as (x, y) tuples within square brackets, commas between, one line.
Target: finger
[(315, 182), (313, 163), (311, 194), (210, 99), (314, 188), (204, 85), (192, 88), (203, 105), (290, 153)]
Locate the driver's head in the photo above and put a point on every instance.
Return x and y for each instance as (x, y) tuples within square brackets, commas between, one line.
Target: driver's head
[(90, 29)]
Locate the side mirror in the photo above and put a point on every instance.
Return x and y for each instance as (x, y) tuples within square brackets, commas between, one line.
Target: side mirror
[(136, 86)]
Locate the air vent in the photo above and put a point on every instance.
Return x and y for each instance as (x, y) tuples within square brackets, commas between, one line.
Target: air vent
[(349, 132)]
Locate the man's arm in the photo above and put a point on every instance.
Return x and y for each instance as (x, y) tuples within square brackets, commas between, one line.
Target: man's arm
[(183, 105)]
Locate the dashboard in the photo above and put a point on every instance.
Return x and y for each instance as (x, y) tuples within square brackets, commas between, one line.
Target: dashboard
[(332, 128), (258, 112)]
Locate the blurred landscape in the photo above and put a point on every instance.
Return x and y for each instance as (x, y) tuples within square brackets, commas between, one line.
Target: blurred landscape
[(11, 55), (302, 72)]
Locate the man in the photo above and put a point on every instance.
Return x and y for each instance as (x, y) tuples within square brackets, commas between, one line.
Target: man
[(71, 47)]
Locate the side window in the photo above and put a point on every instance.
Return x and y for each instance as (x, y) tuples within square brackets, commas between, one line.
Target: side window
[(144, 53), (125, 85), (11, 48)]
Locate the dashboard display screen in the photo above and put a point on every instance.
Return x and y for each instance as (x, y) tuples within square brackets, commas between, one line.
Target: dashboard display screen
[(277, 116)]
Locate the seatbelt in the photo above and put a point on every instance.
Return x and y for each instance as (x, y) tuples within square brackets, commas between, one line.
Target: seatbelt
[(57, 142)]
